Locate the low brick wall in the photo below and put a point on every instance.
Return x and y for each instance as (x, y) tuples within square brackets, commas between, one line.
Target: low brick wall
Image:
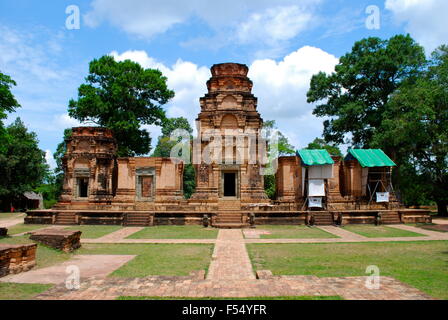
[(287, 218), (17, 258), (63, 240)]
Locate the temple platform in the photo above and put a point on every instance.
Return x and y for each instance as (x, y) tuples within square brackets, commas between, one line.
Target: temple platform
[(241, 219)]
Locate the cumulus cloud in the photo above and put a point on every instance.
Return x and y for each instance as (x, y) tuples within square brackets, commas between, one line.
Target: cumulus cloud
[(281, 89), (425, 20), (275, 24), (186, 79), (280, 86), (145, 18), (50, 159), (63, 121)]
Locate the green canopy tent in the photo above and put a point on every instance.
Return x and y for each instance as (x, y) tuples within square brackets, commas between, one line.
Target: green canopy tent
[(376, 173), (317, 168)]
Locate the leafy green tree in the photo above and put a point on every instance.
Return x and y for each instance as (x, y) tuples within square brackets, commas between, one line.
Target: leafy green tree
[(165, 145), (122, 96), (284, 149), (416, 127), (355, 97), (22, 164), (319, 143), (8, 103)]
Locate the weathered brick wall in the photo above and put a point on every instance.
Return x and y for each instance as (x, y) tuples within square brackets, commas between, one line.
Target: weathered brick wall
[(63, 240), (17, 258)]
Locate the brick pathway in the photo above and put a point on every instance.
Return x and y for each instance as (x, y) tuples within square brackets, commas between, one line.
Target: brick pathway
[(89, 266), (342, 233), (440, 221), (120, 234), (349, 288), (230, 260), (433, 234), (7, 223)]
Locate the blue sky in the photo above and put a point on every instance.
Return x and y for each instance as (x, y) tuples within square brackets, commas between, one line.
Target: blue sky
[(284, 42)]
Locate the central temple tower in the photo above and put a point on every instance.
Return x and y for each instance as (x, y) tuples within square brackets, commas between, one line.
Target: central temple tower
[(229, 166)]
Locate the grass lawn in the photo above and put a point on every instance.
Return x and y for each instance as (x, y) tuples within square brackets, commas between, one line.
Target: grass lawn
[(11, 215), (94, 232), (370, 231), (294, 232), (21, 228), (176, 232), (254, 298), (21, 291), (155, 259), (45, 256), (422, 265)]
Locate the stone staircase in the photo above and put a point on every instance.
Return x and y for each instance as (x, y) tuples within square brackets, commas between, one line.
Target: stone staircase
[(138, 219), (66, 218), (229, 215), (390, 217), (323, 218)]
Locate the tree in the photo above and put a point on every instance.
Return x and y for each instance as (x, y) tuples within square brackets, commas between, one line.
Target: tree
[(284, 149), (123, 96), (356, 95), (416, 127), (8, 103), (319, 143), (22, 164), (165, 145)]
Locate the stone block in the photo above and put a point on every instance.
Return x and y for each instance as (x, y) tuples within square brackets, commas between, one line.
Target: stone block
[(264, 274), (3, 232), (64, 240), (17, 258)]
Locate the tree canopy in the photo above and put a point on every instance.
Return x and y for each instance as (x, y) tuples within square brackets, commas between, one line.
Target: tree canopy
[(22, 163), (8, 102), (319, 143), (355, 97), (165, 145), (416, 127), (123, 96), (284, 147)]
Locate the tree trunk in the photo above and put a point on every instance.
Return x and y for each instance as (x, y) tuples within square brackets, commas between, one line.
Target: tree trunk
[(441, 208)]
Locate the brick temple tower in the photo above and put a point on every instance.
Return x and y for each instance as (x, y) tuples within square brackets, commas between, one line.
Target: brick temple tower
[(88, 165), (228, 123)]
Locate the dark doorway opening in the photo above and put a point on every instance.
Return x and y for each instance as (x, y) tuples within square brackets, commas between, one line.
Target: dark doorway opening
[(229, 184), (83, 185)]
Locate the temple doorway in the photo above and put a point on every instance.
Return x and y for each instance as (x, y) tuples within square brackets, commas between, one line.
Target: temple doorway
[(230, 184)]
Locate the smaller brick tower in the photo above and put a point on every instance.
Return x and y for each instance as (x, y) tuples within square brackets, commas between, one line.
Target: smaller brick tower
[(89, 166)]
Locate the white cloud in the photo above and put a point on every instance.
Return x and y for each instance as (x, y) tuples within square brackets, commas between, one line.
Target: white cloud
[(186, 79), (280, 86), (275, 24), (425, 20), (63, 121), (50, 160), (145, 18)]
